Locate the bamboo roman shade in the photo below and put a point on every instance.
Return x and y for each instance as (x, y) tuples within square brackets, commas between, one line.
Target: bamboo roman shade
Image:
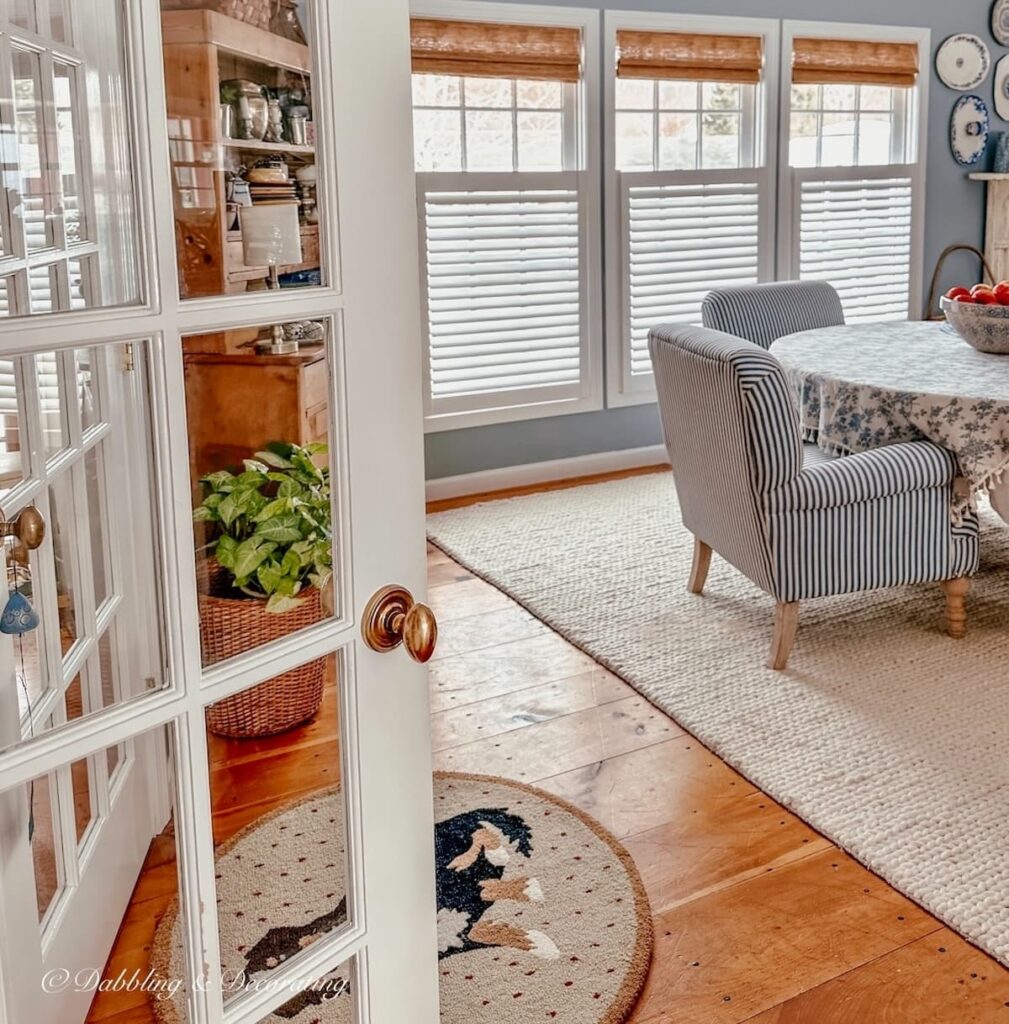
[(486, 50), (691, 57), (842, 61)]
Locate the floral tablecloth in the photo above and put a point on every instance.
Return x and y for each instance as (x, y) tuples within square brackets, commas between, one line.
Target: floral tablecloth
[(866, 385)]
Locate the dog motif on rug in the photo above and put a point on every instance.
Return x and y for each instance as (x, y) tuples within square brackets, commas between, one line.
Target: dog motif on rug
[(471, 852)]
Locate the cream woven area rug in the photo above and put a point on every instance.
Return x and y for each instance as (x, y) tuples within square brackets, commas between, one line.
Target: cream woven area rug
[(884, 734)]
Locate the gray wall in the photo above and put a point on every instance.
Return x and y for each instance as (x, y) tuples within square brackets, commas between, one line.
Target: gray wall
[(955, 213)]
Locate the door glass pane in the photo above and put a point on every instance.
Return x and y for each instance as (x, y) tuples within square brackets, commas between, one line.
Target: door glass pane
[(12, 456), (97, 519), (329, 998), (34, 198), (22, 14), (81, 785), (89, 574), (259, 439), (87, 398), (243, 151), (61, 520), (55, 432), (278, 818), (43, 832), (68, 163)]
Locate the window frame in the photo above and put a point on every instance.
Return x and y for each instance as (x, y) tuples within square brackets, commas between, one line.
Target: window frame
[(622, 387), (915, 130), (525, 404)]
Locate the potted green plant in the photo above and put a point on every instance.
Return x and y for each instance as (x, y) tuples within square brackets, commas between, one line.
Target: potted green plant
[(265, 569)]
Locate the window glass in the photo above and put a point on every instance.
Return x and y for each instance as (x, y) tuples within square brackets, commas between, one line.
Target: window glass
[(491, 124), (684, 126), (844, 125)]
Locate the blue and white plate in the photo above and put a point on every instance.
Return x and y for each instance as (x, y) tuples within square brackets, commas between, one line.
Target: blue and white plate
[(1001, 88), (962, 61), (968, 130), (1000, 22)]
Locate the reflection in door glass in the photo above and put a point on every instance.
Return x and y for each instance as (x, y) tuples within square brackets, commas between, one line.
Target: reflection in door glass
[(97, 518), (81, 788), (54, 425), (12, 461), (43, 832), (243, 150), (258, 404), (69, 223), (61, 524), (329, 998), (278, 819), (86, 391)]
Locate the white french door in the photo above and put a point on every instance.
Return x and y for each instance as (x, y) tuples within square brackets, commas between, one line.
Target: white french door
[(143, 739)]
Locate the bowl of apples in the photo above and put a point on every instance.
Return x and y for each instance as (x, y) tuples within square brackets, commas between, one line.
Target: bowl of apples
[(980, 315)]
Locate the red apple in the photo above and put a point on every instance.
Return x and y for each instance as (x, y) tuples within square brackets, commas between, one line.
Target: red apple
[(984, 297), (980, 288), (1001, 292), (958, 293)]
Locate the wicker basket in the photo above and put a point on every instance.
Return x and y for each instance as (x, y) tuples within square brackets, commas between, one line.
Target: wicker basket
[(254, 12), (230, 626)]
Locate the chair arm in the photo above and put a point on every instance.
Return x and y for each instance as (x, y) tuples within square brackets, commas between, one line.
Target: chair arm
[(867, 476)]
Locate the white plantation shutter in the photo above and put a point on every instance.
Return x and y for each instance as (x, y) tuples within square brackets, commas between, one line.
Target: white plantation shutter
[(504, 271), (853, 227), (684, 234)]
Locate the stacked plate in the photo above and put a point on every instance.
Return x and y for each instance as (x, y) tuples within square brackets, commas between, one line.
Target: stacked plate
[(270, 193)]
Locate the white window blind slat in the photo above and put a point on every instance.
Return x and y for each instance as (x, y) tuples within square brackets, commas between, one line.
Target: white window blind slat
[(856, 232), (503, 297), (682, 240)]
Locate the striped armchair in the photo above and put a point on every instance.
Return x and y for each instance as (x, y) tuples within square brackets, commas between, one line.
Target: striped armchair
[(798, 523), (762, 313)]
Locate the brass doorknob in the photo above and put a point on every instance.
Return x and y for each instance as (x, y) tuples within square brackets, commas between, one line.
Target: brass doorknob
[(28, 527), (392, 617)]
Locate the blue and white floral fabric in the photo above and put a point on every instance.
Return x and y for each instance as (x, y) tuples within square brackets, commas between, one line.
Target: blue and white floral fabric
[(864, 386)]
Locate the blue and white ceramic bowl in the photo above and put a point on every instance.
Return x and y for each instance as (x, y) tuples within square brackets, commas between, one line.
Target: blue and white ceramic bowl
[(985, 328)]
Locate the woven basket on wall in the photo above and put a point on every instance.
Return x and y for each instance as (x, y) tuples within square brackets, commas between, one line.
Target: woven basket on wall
[(231, 626), (254, 12)]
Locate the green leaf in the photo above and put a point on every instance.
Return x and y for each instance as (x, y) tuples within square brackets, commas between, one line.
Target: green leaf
[(219, 480), (202, 513), (251, 478), (269, 577), (273, 459), (255, 466), (280, 529), (291, 563), (280, 603), (273, 508), (249, 555), (226, 551)]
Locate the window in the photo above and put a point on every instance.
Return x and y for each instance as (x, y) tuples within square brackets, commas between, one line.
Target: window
[(493, 124), (698, 196), (852, 188), (693, 183), (502, 152)]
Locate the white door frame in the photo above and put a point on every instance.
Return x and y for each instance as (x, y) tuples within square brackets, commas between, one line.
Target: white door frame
[(371, 299)]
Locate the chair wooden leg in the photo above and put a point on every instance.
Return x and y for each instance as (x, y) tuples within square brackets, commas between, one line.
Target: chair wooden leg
[(786, 624), (699, 570), (956, 611)]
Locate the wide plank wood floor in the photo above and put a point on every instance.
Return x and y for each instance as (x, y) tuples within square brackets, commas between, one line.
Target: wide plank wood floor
[(757, 917)]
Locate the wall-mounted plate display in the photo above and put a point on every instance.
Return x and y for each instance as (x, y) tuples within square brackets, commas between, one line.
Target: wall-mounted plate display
[(1001, 87), (968, 129), (1000, 22), (962, 61)]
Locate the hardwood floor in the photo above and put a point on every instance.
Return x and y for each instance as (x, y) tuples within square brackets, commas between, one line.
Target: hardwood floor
[(757, 917)]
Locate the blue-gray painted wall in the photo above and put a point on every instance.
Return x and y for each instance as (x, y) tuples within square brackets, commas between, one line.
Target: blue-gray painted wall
[(955, 213)]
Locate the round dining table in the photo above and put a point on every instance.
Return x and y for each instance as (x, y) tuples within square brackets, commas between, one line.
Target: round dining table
[(861, 386)]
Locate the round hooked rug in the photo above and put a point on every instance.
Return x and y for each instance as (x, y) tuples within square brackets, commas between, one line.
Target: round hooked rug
[(541, 913)]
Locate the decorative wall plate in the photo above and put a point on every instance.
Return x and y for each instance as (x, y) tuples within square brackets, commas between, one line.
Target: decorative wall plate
[(968, 129), (1001, 86), (962, 61), (1000, 22)]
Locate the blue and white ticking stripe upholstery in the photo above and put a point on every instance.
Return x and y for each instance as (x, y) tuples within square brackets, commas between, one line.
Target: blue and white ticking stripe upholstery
[(762, 313), (799, 523)]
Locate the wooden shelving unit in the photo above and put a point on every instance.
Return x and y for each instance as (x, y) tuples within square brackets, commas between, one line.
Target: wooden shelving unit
[(202, 49)]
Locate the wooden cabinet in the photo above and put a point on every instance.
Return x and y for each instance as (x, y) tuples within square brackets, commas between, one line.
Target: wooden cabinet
[(238, 403), (202, 49)]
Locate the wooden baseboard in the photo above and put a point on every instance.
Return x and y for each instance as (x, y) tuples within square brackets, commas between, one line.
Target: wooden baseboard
[(451, 491)]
